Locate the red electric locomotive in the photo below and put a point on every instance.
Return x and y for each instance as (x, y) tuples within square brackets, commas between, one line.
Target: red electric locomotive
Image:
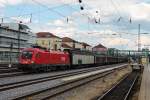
[(43, 60)]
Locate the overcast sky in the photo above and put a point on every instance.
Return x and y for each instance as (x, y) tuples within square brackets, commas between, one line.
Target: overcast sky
[(113, 23)]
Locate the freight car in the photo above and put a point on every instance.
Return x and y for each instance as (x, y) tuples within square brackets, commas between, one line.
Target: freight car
[(80, 58), (37, 59), (105, 59)]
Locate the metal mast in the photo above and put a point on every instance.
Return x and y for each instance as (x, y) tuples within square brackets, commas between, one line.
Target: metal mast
[(139, 38)]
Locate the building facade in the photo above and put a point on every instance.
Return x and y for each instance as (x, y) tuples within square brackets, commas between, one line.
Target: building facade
[(65, 46), (86, 46), (48, 40), (100, 49), (13, 37), (72, 43), (69, 42)]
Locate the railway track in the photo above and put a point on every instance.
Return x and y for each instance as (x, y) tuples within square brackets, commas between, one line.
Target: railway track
[(3, 65), (7, 66), (43, 79), (34, 81), (5, 88), (58, 89), (11, 74), (20, 77), (122, 90), (5, 69), (8, 70), (25, 74)]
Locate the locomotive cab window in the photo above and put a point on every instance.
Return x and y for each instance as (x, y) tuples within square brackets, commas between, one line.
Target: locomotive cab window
[(26, 54)]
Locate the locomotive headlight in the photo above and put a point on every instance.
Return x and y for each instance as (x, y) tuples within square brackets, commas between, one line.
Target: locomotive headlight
[(32, 62)]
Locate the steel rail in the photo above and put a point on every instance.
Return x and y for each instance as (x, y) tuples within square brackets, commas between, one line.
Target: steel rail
[(134, 82), (43, 79), (101, 97), (11, 74), (58, 89), (117, 84)]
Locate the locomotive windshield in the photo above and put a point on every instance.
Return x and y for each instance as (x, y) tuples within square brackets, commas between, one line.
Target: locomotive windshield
[(26, 54)]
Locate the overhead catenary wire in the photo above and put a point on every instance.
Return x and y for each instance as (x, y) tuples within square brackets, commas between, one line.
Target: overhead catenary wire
[(74, 9), (48, 8), (118, 12), (130, 20), (33, 13), (85, 15), (96, 12), (58, 13)]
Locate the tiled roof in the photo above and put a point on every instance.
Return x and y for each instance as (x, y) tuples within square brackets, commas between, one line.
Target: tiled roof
[(85, 44), (65, 45), (46, 35), (67, 39), (99, 46)]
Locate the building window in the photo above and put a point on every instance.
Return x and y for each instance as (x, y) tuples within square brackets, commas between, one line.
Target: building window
[(42, 42), (84, 46), (55, 46)]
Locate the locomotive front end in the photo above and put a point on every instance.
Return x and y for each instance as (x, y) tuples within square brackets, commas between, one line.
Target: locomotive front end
[(26, 57), (26, 60)]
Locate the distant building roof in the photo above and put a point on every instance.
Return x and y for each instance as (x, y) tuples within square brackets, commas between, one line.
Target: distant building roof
[(99, 46), (65, 45), (85, 44), (67, 39), (46, 35)]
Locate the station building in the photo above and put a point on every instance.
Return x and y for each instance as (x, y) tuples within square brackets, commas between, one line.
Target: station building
[(52, 42), (86, 46), (65, 46), (71, 43), (48, 40)]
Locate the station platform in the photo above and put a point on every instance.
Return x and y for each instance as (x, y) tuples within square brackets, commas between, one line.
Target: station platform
[(145, 85)]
